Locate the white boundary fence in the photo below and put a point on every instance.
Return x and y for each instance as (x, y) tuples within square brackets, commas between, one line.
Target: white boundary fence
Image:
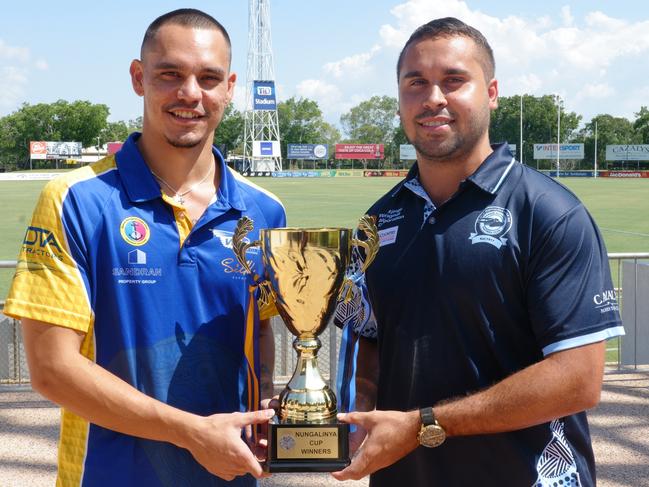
[(13, 365)]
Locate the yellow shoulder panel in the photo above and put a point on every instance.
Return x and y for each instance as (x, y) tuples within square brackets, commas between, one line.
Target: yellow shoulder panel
[(47, 285)]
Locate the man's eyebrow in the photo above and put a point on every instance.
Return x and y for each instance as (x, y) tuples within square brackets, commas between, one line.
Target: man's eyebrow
[(449, 71), (168, 65)]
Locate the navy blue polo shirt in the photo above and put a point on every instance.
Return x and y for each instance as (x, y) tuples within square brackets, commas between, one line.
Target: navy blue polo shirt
[(510, 269)]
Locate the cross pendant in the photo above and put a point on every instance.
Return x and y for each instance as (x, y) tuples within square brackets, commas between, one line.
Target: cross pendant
[(180, 199)]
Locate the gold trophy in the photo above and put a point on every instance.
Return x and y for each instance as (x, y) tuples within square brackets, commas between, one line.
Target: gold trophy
[(305, 273)]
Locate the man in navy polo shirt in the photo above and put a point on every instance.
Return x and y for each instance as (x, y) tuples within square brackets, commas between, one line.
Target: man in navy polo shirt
[(136, 317), (484, 315)]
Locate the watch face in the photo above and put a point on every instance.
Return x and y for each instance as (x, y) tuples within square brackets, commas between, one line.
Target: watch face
[(432, 436)]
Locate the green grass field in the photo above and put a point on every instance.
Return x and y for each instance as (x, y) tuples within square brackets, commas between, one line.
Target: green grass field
[(620, 207)]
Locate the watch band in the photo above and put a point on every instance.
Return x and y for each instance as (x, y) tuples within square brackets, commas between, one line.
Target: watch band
[(427, 416)]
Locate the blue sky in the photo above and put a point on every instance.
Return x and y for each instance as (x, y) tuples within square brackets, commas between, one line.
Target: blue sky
[(595, 54)]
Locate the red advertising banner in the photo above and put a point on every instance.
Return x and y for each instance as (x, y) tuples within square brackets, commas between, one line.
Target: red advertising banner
[(387, 174), (359, 151), (623, 174), (114, 147), (37, 149)]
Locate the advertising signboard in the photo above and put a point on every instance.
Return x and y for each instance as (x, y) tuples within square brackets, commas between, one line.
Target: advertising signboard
[(307, 151), (407, 152), (113, 147), (567, 151), (54, 150), (265, 148), (359, 151), (632, 152), (263, 95), (37, 149)]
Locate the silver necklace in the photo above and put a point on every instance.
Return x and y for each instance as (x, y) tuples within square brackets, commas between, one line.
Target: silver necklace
[(178, 196)]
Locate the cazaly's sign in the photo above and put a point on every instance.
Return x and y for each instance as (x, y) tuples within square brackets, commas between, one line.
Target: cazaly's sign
[(638, 152)]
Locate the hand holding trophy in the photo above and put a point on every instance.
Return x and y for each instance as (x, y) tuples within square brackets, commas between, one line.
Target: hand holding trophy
[(305, 273)]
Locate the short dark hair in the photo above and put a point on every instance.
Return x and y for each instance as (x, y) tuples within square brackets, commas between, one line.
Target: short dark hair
[(187, 17), (452, 27)]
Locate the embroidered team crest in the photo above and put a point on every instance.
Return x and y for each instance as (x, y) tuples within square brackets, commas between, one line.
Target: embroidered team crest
[(134, 231), (491, 226)]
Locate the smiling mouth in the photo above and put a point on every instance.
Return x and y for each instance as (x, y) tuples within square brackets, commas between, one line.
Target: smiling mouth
[(184, 115), (435, 123)]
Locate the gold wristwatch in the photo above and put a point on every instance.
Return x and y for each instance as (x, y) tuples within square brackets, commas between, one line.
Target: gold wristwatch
[(431, 434)]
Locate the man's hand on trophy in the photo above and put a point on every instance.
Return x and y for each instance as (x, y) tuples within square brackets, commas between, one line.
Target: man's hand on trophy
[(258, 442), (391, 435), (356, 439), (216, 443)]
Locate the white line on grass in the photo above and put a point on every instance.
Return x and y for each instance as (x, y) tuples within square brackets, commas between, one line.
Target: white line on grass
[(637, 234)]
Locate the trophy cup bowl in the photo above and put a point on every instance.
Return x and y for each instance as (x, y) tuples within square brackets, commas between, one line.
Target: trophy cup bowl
[(305, 272)]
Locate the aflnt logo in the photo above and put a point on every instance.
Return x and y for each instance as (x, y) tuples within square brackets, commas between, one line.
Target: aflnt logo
[(264, 90)]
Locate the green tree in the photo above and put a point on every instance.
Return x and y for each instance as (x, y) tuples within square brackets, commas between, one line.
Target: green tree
[(373, 121), (230, 131), (79, 121), (610, 130), (301, 122), (135, 125), (114, 132), (641, 125), (539, 123)]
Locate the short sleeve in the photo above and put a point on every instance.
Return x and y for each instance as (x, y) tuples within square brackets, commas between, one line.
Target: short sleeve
[(570, 294), (50, 280)]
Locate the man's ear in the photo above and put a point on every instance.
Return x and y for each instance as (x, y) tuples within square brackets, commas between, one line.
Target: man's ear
[(137, 76), (492, 90)]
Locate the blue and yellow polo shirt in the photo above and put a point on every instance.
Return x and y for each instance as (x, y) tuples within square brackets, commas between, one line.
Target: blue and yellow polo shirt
[(165, 305)]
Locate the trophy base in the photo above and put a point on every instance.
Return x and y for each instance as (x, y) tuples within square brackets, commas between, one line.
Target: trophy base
[(306, 447)]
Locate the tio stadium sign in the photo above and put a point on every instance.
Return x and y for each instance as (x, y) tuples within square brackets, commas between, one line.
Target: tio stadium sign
[(359, 151)]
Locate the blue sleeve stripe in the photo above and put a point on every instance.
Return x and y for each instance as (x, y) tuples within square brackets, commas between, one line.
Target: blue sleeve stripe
[(583, 340)]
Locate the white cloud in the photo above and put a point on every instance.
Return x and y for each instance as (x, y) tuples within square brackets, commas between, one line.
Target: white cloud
[(353, 66), (15, 68), (13, 53), (41, 64), (566, 16), (12, 85), (578, 56), (595, 91), (328, 95)]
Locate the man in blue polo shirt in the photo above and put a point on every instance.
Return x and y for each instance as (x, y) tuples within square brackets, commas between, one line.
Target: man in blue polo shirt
[(137, 319), (489, 301)]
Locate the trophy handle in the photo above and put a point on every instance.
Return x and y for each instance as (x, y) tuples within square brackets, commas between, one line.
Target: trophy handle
[(367, 224), (239, 246)]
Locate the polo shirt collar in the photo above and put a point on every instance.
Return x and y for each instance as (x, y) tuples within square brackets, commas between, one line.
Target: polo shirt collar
[(489, 176), (141, 185)]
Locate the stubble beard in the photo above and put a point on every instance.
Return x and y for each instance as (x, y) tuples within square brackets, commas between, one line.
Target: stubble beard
[(457, 145), (180, 144)]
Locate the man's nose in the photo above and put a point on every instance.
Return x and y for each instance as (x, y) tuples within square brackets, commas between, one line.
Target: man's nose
[(436, 98), (190, 90)]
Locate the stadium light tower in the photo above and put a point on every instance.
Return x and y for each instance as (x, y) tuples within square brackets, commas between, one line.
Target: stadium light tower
[(261, 130)]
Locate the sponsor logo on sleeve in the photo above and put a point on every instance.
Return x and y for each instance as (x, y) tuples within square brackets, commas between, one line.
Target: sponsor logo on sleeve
[(491, 225), (41, 242), (606, 301)]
